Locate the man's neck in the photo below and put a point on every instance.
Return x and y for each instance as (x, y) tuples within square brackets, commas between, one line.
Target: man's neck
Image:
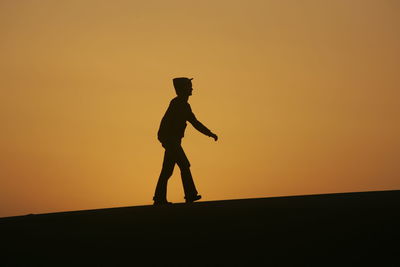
[(183, 98)]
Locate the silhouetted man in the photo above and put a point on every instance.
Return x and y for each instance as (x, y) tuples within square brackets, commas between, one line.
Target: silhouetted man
[(172, 129)]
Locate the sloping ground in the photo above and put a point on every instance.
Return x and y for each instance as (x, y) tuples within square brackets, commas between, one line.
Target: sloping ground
[(347, 229)]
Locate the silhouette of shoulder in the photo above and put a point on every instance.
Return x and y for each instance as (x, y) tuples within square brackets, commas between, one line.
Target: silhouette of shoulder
[(179, 109)]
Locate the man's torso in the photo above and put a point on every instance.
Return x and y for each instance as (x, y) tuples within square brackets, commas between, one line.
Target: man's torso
[(173, 124)]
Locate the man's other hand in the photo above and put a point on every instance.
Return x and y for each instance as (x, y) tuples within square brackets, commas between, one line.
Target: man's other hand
[(213, 135)]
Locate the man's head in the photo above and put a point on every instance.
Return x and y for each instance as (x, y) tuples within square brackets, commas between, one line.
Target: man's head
[(183, 86)]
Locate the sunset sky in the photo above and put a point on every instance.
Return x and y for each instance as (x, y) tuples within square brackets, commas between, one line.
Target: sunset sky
[(304, 95)]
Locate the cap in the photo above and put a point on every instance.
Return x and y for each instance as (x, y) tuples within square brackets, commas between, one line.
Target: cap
[(182, 81)]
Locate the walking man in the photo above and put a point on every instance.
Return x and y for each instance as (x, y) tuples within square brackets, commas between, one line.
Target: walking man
[(172, 129)]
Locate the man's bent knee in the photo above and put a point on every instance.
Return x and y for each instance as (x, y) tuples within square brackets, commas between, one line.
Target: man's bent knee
[(185, 169), (184, 164), (166, 174)]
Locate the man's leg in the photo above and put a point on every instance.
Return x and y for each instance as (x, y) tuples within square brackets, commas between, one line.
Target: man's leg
[(187, 179), (188, 185), (160, 194)]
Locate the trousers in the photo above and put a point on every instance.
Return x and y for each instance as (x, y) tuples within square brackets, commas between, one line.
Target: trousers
[(174, 154)]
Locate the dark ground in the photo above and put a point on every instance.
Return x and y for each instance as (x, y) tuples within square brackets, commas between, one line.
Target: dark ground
[(347, 229)]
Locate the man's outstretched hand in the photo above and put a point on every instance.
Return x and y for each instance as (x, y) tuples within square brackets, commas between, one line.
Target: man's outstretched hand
[(213, 135)]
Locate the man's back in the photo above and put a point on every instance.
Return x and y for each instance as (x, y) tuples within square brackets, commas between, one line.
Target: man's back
[(173, 124)]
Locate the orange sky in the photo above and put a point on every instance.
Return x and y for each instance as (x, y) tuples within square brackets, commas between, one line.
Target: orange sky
[(303, 94)]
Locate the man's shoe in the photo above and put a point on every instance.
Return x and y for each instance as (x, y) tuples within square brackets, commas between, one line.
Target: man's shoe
[(192, 198)]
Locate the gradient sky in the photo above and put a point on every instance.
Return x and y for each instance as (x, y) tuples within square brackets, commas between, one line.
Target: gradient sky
[(304, 96)]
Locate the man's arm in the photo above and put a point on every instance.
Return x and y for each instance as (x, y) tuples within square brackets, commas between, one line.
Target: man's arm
[(200, 127)]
